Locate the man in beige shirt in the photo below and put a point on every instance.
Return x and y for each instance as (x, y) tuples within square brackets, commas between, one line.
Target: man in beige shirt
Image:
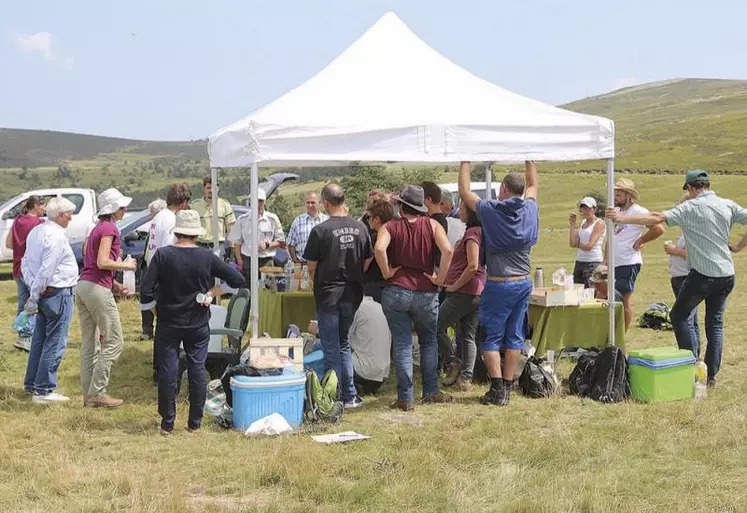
[(204, 207)]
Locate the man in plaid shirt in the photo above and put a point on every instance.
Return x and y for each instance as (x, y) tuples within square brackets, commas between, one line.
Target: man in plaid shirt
[(302, 225)]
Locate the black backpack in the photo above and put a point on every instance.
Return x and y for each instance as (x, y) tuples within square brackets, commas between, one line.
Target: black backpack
[(538, 380), (609, 382), (582, 375)]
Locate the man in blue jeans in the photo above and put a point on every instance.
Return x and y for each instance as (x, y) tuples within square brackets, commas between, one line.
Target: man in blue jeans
[(51, 271), (706, 222), (510, 227), (337, 252)]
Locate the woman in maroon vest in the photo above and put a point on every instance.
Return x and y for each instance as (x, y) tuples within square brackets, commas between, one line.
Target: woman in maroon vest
[(404, 251)]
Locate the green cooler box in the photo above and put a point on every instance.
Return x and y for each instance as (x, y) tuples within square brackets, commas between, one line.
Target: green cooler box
[(662, 374)]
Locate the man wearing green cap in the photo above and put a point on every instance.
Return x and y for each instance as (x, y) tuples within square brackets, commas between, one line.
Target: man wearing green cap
[(706, 222)]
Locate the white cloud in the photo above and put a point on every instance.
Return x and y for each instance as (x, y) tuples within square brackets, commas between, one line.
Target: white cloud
[(622, 82), (43, 44)]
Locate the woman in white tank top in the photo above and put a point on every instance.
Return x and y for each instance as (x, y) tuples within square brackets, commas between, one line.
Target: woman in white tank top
[(589, 239)]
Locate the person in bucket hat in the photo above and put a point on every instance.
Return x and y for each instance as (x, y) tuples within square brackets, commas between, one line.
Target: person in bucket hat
[(100, 326), (706, 221), (180, 272), (628, 240)]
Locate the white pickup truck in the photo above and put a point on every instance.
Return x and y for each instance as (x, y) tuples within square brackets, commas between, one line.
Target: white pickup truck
[(83, 217)]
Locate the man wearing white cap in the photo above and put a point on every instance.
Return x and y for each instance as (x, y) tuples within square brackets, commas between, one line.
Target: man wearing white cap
[(50, 270), (97, 309), (589, 239), (269, 239)]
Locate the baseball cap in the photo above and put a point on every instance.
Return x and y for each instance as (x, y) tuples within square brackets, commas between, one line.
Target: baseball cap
[(588, 201), (696, 176)]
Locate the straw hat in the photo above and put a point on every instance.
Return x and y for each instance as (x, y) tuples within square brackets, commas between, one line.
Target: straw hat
[(628, 186), (599, 275), (112, 200), (188, 223)]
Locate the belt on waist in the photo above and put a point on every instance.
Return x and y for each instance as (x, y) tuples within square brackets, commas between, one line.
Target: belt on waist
[(501, 279), (51, 290)]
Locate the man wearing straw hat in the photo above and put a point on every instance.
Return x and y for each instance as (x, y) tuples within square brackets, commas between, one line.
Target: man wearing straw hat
[(628, 240)]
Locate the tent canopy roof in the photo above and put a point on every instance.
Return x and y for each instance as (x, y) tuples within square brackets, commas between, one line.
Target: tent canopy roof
[(392, 98)]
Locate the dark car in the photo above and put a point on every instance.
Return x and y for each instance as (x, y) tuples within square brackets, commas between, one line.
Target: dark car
[(134, 228)]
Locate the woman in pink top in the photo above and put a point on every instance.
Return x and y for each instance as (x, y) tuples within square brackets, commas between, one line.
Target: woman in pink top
[(464, 283), (97, 309), (31, 216)]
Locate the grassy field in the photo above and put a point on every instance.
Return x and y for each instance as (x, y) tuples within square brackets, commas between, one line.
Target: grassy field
[(553, 455)]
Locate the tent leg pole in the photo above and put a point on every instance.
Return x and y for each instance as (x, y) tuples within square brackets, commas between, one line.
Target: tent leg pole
[(611, 252), (254, 271), (214, 219), (489, 182)]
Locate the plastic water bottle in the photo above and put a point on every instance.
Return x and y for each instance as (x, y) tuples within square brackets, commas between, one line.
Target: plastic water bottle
[(539, 279), (128, 278), (701, 380), (305, 278), (22, 322)]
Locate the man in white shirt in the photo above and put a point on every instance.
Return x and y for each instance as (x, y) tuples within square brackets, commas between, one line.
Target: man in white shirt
[(160, 234), (628, 240), (370, 342), (298, 235), (51, 271), (455, 226), (270, 238)]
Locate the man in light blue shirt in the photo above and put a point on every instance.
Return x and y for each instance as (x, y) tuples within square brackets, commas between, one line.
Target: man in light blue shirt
[(706, 221), (300, 229)]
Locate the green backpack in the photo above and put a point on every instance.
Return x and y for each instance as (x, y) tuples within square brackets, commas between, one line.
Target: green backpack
[(322, 402)]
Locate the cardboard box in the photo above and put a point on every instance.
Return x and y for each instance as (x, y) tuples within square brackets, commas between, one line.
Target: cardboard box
[(556, 296)]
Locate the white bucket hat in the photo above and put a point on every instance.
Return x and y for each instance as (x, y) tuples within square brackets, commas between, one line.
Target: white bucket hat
[(112, 200), (188, 223)]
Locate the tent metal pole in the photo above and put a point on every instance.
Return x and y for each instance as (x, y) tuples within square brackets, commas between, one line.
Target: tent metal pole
[(254, 271), (214, 220), (611, 251), (489, 181)]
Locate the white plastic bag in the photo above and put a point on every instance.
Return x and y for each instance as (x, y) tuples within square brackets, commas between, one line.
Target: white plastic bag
[(128, 279), (274, 424)]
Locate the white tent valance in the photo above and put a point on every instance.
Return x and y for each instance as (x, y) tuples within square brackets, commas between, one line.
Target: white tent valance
[(391, 97)]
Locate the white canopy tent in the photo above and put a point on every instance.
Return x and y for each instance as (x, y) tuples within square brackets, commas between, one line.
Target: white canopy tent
[(392, 98)]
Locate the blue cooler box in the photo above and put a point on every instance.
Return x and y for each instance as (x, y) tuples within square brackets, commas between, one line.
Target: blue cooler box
[(315, 362), (258, 397)]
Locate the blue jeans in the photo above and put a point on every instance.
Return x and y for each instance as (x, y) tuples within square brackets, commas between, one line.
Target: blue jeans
[(49, 341), (677, 282), (404, 308), (696, 289), (503, 313), (23, 296), (195, 342), (334, 325)]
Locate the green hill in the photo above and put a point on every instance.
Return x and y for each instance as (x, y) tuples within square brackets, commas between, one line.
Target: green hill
[(40, 148), (676, 124)]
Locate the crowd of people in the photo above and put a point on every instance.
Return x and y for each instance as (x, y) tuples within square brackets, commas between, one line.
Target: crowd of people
[(413, 264)]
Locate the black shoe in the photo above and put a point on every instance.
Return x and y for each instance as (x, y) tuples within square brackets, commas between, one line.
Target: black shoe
[(146, 336), (495, 396), (711, 382)]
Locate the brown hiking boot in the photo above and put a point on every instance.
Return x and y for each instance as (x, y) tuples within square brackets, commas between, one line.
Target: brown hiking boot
[(402, 405), (439, 398), (462, 384), (104, 401), (452, 372)]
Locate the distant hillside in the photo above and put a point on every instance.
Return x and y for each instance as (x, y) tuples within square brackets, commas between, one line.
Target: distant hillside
[(672, 125), (39, 148), (676, 124)]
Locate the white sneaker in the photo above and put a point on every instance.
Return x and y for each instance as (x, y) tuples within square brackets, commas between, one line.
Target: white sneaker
[(24, 344), (52, 398), (357, 402)]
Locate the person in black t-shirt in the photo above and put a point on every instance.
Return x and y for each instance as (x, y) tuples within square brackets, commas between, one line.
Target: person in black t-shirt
[(433, 203), (337, 253)]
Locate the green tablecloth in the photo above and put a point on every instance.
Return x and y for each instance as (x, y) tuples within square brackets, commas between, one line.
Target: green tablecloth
[(278, 309), (556, 327)]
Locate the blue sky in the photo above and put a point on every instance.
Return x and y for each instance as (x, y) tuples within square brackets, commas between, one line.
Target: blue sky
[(180, 69)]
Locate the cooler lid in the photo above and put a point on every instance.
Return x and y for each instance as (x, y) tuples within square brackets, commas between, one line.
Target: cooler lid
[(288, 377), (658, 354)]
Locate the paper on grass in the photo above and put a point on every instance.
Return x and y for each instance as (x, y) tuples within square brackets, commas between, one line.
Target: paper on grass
[(337, 438)]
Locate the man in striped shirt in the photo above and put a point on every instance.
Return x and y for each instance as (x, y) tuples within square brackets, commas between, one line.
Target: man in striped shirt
[(706, 221), (301, 227)]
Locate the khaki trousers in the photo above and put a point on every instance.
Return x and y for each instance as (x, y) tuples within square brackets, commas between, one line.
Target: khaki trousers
[(97, 312)]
